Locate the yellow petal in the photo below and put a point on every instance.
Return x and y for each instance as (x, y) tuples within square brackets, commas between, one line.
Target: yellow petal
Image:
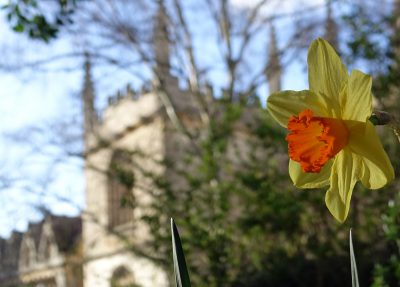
[(303, 179), (326, 72), (283, 105), (357, 102), (364, 141), (345, 172)]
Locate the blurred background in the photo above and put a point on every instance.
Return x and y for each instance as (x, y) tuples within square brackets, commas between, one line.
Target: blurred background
[(116, 115)]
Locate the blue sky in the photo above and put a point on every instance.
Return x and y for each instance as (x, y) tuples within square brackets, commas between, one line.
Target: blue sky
[(32, 98), (39, 98)]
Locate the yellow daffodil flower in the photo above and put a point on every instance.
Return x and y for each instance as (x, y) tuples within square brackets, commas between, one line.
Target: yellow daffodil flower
[(331, 141)]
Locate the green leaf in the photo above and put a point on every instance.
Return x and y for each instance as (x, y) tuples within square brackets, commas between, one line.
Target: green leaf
[(354, 274), (19, 28), (181, 272)]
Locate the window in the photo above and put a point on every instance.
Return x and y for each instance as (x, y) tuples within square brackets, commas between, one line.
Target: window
[(25, 256), (47, 250), (27, 253), (120, 184), (122, 277)]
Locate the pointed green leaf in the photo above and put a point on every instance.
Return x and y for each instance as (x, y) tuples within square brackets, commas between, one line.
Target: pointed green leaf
[(181, 272), (354, 275)]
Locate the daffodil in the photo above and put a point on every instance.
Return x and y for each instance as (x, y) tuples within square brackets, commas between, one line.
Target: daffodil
[(331, 141)]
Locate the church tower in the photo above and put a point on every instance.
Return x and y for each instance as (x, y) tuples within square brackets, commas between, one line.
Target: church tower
[(161, 44), (129, 141)]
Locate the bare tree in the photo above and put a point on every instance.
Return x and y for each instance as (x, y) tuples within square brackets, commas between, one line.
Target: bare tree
[(225, 57)]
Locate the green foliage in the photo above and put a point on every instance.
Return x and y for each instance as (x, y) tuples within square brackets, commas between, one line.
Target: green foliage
[(379, 276), (123, 174), (27, 16), (387, 272), (243, 223), (367, 34)]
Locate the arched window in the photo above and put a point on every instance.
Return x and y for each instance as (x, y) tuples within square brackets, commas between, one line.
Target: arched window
[(27, 253), (120, 184), (25, 257), (122, 277), (45, 249)]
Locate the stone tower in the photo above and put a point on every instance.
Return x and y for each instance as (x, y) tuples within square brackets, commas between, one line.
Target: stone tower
[(161, 44), (112, 230), (88, 99), (274, 71), (130, 140)]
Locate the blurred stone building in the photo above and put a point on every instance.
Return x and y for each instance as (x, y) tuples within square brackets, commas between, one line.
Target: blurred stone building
[(102, 247), (49, 253)]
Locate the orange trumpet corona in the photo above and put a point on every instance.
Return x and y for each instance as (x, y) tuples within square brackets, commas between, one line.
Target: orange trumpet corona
[(314, 140)]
